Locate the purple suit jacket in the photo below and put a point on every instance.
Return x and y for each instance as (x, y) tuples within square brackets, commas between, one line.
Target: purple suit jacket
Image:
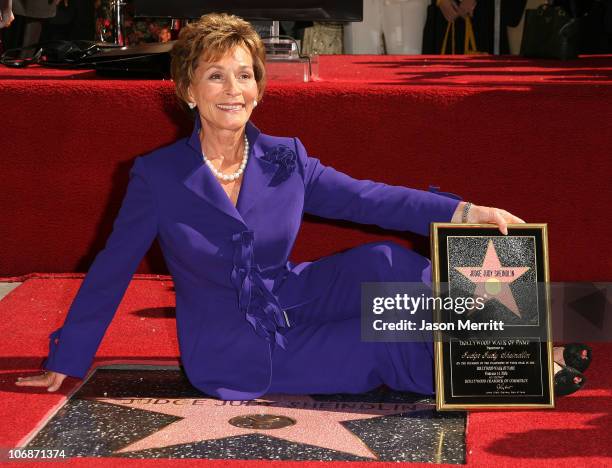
[(229, 264)]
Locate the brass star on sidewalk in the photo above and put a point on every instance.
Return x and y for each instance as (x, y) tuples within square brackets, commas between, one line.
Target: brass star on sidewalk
[(493, 280), (316, 422)]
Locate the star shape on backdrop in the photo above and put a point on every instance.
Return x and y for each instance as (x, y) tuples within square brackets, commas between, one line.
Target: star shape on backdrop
[(493, 280), (316, 422)]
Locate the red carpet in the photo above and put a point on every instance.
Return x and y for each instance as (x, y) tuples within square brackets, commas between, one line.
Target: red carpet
[(576, 433), (532, 137)]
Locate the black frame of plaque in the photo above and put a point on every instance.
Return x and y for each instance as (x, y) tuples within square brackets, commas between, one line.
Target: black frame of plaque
[(445, 400)]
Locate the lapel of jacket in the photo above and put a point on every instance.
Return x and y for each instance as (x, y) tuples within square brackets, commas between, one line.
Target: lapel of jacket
[(256, 176)]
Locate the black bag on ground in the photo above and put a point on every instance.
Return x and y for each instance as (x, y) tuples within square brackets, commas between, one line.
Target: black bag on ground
[(550, 32), (57, 54)]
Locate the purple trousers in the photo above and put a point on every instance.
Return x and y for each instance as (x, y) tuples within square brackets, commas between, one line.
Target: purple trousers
[(326, 353)]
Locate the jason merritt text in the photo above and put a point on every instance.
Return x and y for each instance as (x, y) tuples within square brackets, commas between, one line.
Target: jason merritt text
[(491, 325)]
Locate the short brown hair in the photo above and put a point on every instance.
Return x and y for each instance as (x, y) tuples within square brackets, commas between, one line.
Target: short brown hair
[(211, 37)]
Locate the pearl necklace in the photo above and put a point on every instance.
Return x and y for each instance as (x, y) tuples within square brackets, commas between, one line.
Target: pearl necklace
[(235, 175)]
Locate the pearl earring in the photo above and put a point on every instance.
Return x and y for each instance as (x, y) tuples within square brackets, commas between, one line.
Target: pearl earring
[(254, 102), (191, 105)]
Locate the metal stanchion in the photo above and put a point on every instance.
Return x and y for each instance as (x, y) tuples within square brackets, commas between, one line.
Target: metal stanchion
[(117, 7), (497, 28)]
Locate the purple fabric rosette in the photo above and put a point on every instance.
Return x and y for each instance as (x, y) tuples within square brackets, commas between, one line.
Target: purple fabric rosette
[(285, 158)]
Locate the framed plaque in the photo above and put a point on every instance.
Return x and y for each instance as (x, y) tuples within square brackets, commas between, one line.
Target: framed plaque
[(493, 344)]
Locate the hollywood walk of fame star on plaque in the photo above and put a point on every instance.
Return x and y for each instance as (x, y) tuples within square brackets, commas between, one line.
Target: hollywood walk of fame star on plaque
[(508, 365)]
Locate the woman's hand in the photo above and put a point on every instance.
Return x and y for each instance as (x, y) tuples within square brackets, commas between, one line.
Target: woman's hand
[(466, 8), (449, 9), (486, 215), (51, 380), (6, 13)]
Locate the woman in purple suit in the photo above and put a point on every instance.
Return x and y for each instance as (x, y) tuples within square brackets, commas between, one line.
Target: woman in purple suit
[(226, 205)]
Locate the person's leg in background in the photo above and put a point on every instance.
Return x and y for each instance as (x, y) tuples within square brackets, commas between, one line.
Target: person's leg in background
[(365, 37), (515, 29), (483, 26), (75, 21), (402, 23), (23, 32), (29, 19), (31, 31)]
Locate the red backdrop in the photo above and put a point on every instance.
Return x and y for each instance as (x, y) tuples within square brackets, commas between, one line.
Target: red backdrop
[(531, 137)]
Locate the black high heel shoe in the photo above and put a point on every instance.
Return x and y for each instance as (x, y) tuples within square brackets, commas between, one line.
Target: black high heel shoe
[(567, 380), (577, 355)]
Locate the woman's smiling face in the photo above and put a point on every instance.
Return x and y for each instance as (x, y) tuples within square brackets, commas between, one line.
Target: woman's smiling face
[(224, 90)]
